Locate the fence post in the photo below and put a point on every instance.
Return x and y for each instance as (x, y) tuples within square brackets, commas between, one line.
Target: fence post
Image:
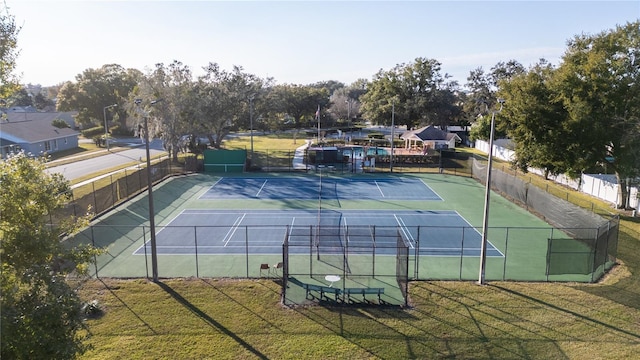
[(144, 246), (246, 247), (95, 200), (504, 264), (113, 193), (595, 255), (461, 255), (416, 256), (95, 258), (195, 242)]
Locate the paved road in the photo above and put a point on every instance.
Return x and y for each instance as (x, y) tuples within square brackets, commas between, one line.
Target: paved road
[(110, 160)]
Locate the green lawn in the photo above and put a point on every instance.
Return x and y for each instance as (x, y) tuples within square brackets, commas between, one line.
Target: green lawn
[(229, 319)]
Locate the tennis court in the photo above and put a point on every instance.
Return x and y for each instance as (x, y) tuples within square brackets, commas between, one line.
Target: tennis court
[(444, 233), (320, 187), (230, 226)]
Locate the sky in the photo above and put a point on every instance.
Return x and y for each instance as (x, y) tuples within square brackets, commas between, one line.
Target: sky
[(300, 42)]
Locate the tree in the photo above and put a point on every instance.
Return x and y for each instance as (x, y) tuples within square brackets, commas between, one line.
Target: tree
[(21, 98), (224, 100), (9, 81), (173, 116), (301, 102), (598, 83), (479, 94), (535, 120), (41, 312), (96, 88), (424, 96)]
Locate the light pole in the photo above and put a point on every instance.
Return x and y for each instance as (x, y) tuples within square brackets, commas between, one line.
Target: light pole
[(393, 126), (152, 222), (106, 131), (348, 101), (318, 119), (251, 124), (485, 220)]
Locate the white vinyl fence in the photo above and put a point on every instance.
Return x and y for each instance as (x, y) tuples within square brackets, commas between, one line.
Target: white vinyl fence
[(604, 187)]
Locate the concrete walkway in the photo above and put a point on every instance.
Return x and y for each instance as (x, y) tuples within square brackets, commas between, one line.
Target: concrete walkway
[(298, 156)]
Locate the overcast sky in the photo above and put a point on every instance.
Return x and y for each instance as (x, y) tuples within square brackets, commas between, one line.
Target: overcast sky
[(300, 42)]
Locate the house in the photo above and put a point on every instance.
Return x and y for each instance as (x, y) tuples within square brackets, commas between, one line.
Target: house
[(34, 133), (429, 137)]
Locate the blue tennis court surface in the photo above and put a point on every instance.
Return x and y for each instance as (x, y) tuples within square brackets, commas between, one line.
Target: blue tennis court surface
[(314, 188), (441, 233)]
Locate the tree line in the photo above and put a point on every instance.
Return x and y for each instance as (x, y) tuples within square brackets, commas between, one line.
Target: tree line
[(578, 116)]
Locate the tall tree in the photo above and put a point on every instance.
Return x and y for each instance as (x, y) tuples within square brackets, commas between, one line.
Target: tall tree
[(172, 116), (41, 313), (96, 88), (535, 120), (479, 94), (598, 83), (301, 102), (224, 100), (9, 80), (424, 95)]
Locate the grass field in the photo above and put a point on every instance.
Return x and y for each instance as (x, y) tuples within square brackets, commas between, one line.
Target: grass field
[(225, 319), (243, 319)]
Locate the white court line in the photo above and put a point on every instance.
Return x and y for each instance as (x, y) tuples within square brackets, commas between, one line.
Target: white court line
[(429, 187), (233, 230), (405, 230), (261, 187), (378, 186), (479, 233)]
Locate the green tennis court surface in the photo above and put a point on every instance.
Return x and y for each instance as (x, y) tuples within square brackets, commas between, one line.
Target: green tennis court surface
[(212, 226)]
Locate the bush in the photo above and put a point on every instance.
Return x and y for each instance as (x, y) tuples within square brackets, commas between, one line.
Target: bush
[(92, 132), (118, 130)]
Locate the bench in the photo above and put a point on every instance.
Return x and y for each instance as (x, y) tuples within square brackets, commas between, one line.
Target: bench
[(364, 292), (322, 290)]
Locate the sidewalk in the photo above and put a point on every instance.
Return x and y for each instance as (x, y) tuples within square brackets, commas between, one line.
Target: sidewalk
[(298, 156)]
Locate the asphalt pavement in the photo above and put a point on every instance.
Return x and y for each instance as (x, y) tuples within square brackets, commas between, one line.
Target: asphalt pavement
[(135, 153)]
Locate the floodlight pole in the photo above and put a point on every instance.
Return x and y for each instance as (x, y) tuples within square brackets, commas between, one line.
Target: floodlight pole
[(348, 101), (318, 118), (152, 222), (106, 131), (251, 124), (393, 126), (487, 193)]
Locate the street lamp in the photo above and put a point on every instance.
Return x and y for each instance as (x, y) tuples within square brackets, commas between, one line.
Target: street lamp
[(106, 131), (152, 222), (348, 101), (251, 124), (485, 220)]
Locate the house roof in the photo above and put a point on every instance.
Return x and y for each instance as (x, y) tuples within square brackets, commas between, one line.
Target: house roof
[(428, 133), (33, 127)]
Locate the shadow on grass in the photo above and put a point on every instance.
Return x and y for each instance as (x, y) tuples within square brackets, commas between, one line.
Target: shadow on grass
[(622, 284), (209, 320), (217, 289), (463, 323), (568, 312), (111, 288)]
